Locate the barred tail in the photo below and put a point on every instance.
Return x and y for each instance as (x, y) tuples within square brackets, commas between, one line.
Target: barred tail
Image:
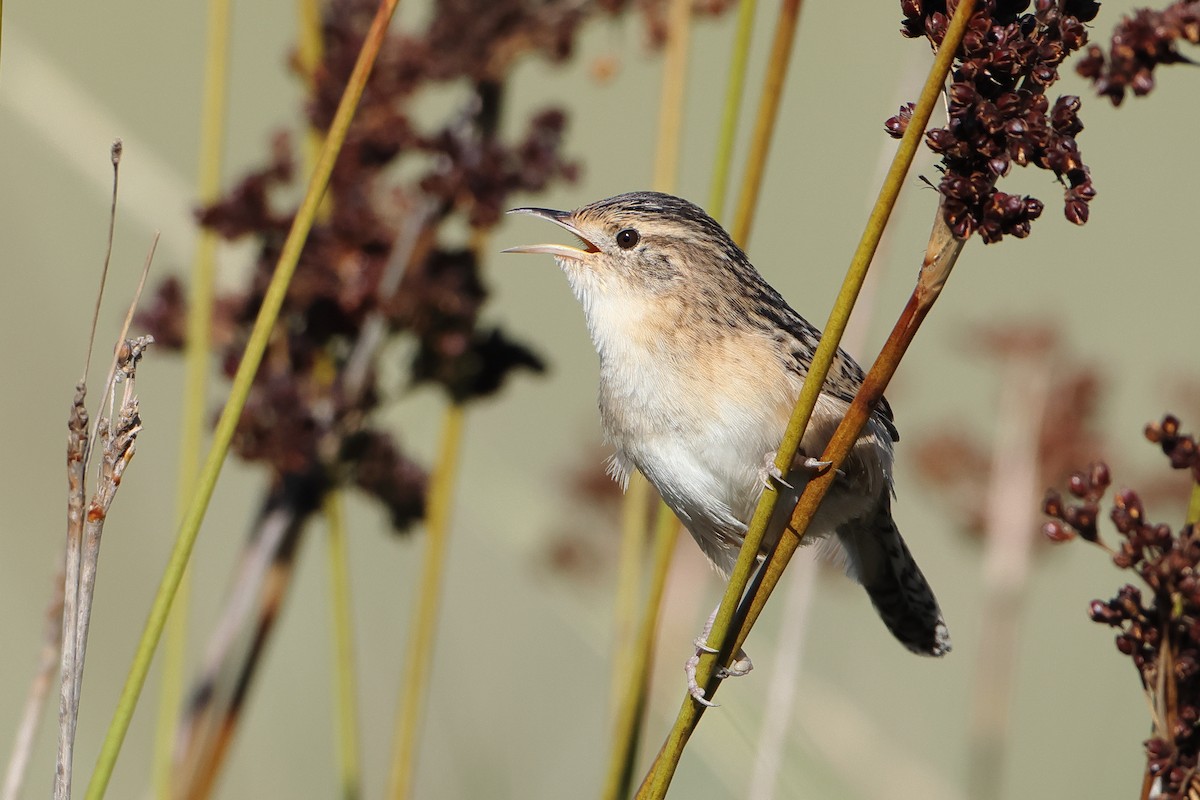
[(895, 584)]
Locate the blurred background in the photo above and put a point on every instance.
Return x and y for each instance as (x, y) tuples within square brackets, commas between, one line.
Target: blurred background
[(518, 705)]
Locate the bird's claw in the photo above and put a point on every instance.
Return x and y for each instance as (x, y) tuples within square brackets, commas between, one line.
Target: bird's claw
[(816, 466), (771, 473), (740, 666), (819, 467), (694, 689)]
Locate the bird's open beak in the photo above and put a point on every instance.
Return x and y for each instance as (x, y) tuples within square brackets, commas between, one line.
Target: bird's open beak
[(561, 218)]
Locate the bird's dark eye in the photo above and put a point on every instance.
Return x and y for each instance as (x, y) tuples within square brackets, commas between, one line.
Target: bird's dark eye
[(627, 238)]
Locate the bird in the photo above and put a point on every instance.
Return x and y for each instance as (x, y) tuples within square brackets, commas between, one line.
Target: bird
[(701, 363)]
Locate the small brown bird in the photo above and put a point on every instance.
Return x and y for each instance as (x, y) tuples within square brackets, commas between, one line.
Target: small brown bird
[(701, 362)]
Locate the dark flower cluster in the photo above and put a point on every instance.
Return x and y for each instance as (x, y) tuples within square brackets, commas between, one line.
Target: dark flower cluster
[(1140, 43), (999, 113), (1158, 627), (386, 253)]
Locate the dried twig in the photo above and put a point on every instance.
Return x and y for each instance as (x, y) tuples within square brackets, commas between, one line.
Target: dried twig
[(39, 690), (78, 451), (1012, 497)]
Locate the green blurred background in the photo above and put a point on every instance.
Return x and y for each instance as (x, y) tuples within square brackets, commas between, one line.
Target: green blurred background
[(518, 705)]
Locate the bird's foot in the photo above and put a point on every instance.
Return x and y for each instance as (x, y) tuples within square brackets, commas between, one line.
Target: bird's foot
[(768, 475), (740, 666), (817, 467)]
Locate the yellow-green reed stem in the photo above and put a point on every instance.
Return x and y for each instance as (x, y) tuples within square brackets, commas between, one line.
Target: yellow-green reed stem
[(633, 703), (764, 122), (310, 49), (419, 651), (659, 778), (670, 105), (634, 522), (345, 683), (634, 519), (733, 105), (1193, 512), (197, 359), (223, 434)]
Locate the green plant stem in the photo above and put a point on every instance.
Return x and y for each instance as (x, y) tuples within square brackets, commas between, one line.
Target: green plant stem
[(419, 650), (197, 347), (764, 122), (242, 381), (636, 503), (1193, 512), (627, 732), (659, 778), (674, 84), (730, 114), (342, 618), (634, 524)]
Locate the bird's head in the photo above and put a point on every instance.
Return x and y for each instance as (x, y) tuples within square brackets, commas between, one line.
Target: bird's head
[(643, 243)]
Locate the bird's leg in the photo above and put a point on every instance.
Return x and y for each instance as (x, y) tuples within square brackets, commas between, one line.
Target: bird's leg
[(737, 669)]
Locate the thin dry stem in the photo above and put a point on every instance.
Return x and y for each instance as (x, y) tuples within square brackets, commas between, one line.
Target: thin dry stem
[(374, 331), (117, 438), (232, 651), (1012, 512), (39, 692), (77, 447), (115, 156)]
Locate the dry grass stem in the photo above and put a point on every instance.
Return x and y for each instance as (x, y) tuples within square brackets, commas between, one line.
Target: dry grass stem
[(116, 434), (39, 692), (1012, 512), (235, 647)]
